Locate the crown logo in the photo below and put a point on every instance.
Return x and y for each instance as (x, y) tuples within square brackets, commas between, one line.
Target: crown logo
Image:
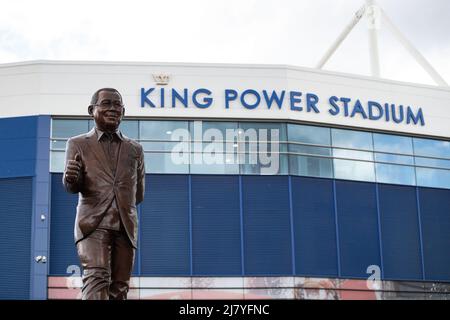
[(161, 79)]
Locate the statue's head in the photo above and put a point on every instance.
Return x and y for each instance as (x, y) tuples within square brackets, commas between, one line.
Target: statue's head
[(107, 109)]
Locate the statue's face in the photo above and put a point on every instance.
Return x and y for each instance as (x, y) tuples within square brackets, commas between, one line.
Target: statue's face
[(108, 111)]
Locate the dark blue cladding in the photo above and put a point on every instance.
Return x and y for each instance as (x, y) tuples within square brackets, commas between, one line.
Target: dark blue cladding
[(267, 230), (63, 252), (358, 227), (315, 227), (435, 216), (15, 237), (164, 226), (216, 236), (400, 232), (18, 137), (226, 225)]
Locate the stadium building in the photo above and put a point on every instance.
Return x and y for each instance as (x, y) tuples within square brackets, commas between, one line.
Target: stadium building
[(291, 182)]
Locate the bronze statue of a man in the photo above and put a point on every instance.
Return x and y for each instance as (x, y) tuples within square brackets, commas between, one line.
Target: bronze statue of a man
[(107, 170)]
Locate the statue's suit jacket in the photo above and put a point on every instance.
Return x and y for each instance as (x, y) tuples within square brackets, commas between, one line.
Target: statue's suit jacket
[(98, 185)]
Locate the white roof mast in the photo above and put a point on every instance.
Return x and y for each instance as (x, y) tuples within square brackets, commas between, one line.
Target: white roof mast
[(374, 14)]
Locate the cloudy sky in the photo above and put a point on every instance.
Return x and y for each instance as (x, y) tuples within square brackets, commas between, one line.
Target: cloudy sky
[(293, 32)]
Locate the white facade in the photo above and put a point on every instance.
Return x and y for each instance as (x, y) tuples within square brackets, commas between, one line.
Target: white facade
[(65, 88)]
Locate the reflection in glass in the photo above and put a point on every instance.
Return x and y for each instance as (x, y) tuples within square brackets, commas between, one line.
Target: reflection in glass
[(387, 157), (430, 162), (352, 154), (394, 144), (270, 127), (310, 166), (165, 146), (130, 128), (163, 163), (352, 139), (160, 130), (57, 161), (431, 148), (278, 164), (214, 164), (309, 149), (391, 173), (354, 170), (309, 134), (59, 145), (63, 128), (435, 178)]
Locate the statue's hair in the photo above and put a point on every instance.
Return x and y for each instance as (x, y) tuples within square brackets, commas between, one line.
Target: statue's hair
[(94, 99)]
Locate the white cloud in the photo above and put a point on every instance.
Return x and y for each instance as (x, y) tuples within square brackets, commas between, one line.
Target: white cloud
[(233, 31)]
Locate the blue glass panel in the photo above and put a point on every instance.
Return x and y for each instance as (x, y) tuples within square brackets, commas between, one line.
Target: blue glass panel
[(391, 173), (310, 166), (130, 128), (386, 157), (298, 148), (352, 139), (160, 130), (62, 128), (220, 163), (354, 170), (436, 178), (265, 164), (429, 162), (309, 134), (265, 135), (165, 146), (352, 154), (164, 163), (57, 161), (431, 148), (390, 143)]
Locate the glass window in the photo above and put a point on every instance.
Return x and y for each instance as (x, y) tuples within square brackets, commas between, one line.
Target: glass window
[(263, 165), (165, 146), (165, 163), (430, 162), (220, 163), (391, 173), (310, 166), (130, 128), (352, 154), (431, 148), (160, 130), (58, 144), (352, 139), (435, 178), (57, 161), (264, 135), (298, 148), (309, 134), (65, 128), (394, 144), (354, 170), (393, 158)]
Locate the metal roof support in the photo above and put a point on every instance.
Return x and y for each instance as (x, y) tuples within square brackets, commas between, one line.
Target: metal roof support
[(373, 13)]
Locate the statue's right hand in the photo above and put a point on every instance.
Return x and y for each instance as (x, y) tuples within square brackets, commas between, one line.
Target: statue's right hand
[(73, 169)]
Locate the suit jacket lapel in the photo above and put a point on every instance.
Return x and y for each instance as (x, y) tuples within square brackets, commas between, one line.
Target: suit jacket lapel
[(97, 150), (123, 152)]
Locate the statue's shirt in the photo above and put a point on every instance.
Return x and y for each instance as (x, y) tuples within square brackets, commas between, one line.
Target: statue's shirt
[(110, 143)]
